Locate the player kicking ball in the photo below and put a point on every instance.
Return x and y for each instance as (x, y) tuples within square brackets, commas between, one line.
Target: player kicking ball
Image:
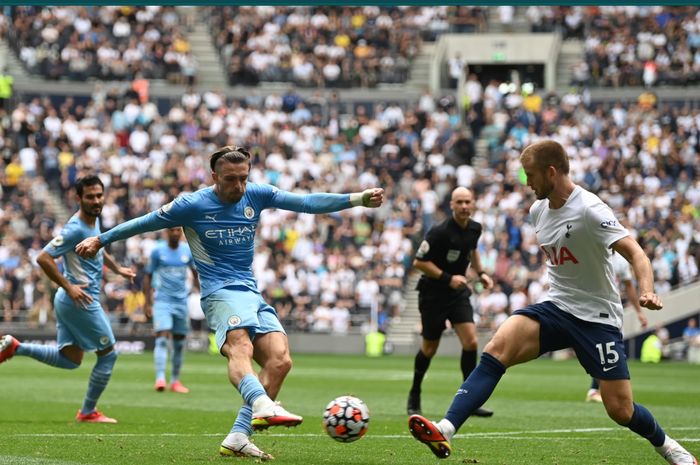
[(220, 223)]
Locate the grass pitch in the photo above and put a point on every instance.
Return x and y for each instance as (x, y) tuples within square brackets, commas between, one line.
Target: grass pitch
[(541, 418)]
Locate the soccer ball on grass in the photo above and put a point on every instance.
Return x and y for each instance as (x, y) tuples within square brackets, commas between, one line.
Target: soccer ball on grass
[(346, 418)]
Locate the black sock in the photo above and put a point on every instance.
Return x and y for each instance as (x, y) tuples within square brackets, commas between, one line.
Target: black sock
[(475, 390), (467, 363), (644, 424), (420, 366)]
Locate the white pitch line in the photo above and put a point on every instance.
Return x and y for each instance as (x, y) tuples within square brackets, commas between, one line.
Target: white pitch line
[(485, 435)]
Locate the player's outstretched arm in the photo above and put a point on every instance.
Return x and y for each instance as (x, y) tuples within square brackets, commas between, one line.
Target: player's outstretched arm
[(325, 202), (89, 247), (370, 198), (152, 221)]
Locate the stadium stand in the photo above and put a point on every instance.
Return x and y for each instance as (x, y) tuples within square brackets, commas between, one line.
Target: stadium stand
[(628, 45), (640, 156), (109, 43)]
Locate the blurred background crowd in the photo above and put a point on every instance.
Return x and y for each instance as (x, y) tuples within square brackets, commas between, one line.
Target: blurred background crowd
[(327, 273)]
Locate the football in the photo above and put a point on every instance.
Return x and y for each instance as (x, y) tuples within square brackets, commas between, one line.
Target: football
[(346, 418)]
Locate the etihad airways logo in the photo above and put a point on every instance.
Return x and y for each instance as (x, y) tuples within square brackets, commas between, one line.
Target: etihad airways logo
[(232, 236)]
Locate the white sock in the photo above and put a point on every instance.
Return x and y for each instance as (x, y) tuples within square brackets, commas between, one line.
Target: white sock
[(447, 428), (262, 403), (235, 439), (669, 443)]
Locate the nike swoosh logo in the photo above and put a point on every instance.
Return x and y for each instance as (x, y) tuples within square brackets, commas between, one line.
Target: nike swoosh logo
[(606, 369)]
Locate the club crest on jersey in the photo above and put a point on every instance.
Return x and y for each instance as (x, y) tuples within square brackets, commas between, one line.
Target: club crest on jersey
[(104, 340), (453, 255), (248, 212), (559, 256), (184, 258), (234, 320), (166, 208)]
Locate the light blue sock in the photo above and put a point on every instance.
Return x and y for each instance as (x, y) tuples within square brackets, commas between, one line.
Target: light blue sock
[(99, 377), (178, 352), (242, 423), (160, 356), (250, 388), (49, 355)]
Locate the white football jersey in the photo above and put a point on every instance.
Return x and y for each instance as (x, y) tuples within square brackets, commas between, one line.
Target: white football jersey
[(576, 239)]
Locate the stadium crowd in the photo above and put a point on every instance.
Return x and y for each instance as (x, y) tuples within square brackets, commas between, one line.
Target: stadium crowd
[(339, 46), (320, 46), (326, 273), (106, 42), (628, 45)]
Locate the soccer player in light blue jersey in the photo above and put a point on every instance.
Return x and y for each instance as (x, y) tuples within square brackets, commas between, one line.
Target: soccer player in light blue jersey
[(220, 223), (166, 273), (81, 324)]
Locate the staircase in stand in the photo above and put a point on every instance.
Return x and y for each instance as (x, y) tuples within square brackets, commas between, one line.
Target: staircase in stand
[(403, 332)]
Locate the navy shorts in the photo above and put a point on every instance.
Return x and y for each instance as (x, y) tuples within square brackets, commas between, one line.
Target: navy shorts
[(435, 310), (599, 347)]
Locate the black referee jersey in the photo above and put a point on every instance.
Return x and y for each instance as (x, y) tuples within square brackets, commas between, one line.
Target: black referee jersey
[(449, 247)]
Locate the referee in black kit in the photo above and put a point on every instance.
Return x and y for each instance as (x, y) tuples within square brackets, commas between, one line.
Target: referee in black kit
[(443, 258)]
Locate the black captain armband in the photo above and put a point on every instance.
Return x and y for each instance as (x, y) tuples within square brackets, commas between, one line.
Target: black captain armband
[(445, 278)]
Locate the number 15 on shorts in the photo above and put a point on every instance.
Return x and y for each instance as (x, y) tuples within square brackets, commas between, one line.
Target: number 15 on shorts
[(607, 353)]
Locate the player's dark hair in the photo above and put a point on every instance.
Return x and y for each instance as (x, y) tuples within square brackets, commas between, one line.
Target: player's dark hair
[(231, 154), (548, 153), (87, 181)]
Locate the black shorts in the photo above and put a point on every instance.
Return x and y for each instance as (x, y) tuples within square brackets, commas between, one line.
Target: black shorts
[(435, 310), (599, 347)]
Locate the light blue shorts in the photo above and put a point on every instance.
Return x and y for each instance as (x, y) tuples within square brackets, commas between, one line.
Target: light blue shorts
[(87, 328), (236, 308), (171, 316)]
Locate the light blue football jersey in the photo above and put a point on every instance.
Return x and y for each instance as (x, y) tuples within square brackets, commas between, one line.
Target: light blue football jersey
[(78, 270), (169, 269), (221, 235)]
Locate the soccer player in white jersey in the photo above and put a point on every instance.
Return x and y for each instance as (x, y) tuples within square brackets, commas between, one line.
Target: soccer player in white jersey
[(81, 323), (220, 223), (623, 277), (578, 233)]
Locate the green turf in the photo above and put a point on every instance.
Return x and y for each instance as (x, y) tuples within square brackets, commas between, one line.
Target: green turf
[(540, 414)]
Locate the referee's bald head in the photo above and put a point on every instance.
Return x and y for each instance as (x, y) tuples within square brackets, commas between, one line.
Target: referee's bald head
[(460, 191)]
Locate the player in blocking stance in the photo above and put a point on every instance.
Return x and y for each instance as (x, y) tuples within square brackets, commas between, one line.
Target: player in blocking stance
[(81, 324), (220, 223), (166, 273), (578, 233)]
